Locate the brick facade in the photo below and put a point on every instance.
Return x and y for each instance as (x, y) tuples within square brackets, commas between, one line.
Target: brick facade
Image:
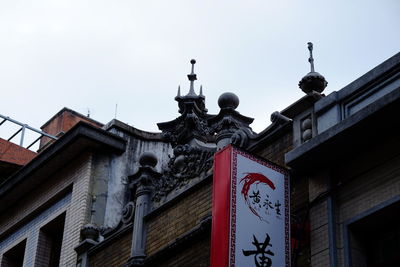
[(15, 154), (24, 222), (113, 254), (178, 219), (276, 150)]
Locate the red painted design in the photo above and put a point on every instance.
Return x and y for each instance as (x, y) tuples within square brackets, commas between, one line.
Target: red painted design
[(250, 179)]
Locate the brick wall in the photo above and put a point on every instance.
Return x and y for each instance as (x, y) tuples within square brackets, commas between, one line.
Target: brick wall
[(42, 194), (197, 254), (30, 231), (78, 212), (115, 253), (77, 174), (275, 151), (364, 186), (178, 219), (64, 120), (43, 250), (12, 153), (365, 192)]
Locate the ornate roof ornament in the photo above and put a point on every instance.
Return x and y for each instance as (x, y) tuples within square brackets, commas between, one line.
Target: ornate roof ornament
[(313, 83), (191, 97), (192, 124), (229, 125)]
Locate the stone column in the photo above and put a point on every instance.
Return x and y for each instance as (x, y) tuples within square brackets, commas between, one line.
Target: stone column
[(142, 184)]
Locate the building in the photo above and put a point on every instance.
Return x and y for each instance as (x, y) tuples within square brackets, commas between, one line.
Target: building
[(113, 195)]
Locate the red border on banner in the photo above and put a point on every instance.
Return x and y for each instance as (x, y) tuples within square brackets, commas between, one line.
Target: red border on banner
[(221, 208)]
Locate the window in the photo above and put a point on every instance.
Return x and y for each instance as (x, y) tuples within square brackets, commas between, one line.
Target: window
[(375, 239), (15, 256), (49, 243)]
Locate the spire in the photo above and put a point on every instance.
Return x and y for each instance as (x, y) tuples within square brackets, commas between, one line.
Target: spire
[(201, 90), (192, 77), (179, 91), (313, 83)]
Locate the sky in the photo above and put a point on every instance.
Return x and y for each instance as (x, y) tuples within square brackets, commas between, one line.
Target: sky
[(125, 59)]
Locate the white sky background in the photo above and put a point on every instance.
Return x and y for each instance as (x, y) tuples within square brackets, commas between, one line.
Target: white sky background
[(96, 54)]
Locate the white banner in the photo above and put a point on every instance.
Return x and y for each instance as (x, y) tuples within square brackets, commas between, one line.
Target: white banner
[(259, 216)]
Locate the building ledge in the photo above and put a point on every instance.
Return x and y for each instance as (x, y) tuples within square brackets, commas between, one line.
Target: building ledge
[(80, 138), (367, 125)]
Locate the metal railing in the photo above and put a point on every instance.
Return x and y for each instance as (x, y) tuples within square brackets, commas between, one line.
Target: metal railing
[(22, 130)]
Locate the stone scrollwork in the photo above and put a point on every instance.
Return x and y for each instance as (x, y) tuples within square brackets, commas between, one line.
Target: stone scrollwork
[(241, 137), (128, 212)]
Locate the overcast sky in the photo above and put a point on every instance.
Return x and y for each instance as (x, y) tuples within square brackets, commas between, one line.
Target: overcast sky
[(92, 55)]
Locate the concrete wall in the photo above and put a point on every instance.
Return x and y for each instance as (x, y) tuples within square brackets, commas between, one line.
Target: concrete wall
[(116, 169)]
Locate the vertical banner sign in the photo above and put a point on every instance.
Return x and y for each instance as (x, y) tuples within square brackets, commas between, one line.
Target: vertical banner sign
[(251, 218)]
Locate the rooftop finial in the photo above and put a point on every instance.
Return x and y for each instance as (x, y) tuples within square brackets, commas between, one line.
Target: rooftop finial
[(179, 91), (313, 82), (311, 59), (192, 77)]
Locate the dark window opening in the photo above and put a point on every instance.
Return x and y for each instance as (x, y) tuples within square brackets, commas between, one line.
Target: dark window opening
[(49, 243), (375, 239), (15, 256)]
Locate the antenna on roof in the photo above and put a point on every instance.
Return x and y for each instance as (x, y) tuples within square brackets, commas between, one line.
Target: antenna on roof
[(88, 113)]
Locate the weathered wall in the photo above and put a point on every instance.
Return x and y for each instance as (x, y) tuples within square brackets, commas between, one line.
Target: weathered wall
[(121, 166)]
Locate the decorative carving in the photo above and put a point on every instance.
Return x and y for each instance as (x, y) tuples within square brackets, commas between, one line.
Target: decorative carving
[(241, 137), (189, 125), (188, 162), (128, 212), (90, 231)]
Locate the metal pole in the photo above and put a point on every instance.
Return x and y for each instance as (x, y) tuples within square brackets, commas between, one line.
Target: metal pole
[(28, 127), (21, 143)]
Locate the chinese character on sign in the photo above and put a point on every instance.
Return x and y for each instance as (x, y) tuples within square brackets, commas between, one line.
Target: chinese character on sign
[(277, 205), (261, 253), (256, 197), (267, 203)]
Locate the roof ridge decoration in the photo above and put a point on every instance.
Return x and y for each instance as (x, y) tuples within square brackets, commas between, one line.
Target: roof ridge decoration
[(192, 124)]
